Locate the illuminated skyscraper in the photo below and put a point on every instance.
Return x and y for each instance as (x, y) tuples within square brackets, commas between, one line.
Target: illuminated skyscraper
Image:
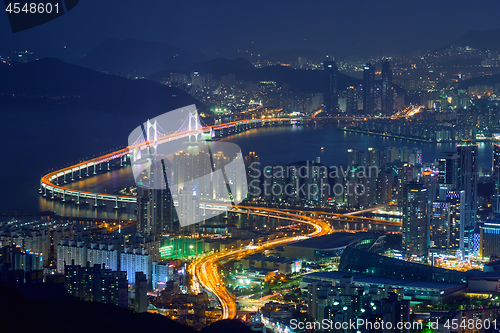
[(468, 175), (182, 170), (252, 166), (135, 260), (352, 101), (490, 238), (430, 181), (456, 200), (189, 205), (219, 186), (496, 175), (330, 94), (368, 89), (448, 168), (415, 219), (251, 158), (155, 211), (440, 225), (387, 95), (201, 167)]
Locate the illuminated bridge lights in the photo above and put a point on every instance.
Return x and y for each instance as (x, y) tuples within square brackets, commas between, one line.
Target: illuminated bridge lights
[(205, 270), (47, 181)]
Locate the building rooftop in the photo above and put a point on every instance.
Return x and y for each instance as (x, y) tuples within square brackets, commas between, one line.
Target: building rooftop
[(334, 241), (262, 257), (489, 276), (375, 280)]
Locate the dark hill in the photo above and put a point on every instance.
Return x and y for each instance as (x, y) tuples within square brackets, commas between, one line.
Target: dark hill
[(137, 58), (64, 314), (482, 40), (49, 82), (227, 325), (293, 55), (488, 80), (297, 79), (300, 79), (217, 67), (56, 113)]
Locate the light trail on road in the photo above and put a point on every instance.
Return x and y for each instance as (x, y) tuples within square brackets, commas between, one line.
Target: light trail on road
[(205, 271)]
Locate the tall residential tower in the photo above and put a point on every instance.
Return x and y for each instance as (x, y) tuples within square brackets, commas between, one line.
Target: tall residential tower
[(330, 95), (387, 103), (368, 89)]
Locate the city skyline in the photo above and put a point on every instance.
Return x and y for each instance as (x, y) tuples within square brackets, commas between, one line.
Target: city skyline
[(279, 167)]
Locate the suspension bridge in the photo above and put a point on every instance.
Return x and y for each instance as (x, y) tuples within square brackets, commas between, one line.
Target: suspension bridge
[(148, 137), (52, 185)]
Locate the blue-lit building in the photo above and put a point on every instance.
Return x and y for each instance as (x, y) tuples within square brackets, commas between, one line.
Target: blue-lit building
[(496, 175), (490, 238), (161, 274)]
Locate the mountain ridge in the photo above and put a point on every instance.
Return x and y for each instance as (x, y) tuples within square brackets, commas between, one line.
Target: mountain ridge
[(137, 58), (50, 82)]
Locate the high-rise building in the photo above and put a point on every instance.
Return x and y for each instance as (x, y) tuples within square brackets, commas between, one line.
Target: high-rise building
[(456, 199), (415, 219), (490, 238), (468, 172), (14, 258), (135, 260), (141, 292), (155, 211), (251, 158), (97, 284), (448, 168), (155, 208), (440, 225), (273, 183), (161, 274), (189, 206), (31, 240), (368, 89), (496, 175), (430, 180), (70, 253), (252, 167), (77, 253), (387, 94), (103, 254), (351, 101), (219, 186), (237, 178), (330, 94), (374, 157)]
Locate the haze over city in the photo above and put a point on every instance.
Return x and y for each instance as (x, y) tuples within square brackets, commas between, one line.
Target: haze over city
[(276, 166)]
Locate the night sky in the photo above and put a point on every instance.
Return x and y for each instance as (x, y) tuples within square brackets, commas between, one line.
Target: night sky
[(344, 27)]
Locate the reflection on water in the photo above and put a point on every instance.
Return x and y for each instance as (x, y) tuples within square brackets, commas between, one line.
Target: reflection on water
[(87, 210), (273, 145), (286, 145), (108, 182)]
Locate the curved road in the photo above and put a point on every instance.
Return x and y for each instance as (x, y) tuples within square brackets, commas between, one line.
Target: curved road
[(205, 271)]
